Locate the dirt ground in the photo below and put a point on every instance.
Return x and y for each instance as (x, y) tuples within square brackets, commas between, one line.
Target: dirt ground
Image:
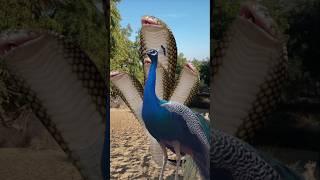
[(28, 152), (130, 157)]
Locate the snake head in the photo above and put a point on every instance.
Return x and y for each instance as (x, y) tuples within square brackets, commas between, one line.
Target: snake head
[(13, 39), (152, 22), (114, 75), (191, 68), (259, 15)]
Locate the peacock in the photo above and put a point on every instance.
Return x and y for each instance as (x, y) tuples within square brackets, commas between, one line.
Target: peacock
[(174, 125), (131, 90), (225, 162)]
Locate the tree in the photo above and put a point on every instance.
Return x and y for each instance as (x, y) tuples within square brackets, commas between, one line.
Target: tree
[(304, 35), (203, 67), (124, 52), (181, 61)]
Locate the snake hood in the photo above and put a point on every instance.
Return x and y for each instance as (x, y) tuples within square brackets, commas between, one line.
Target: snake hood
[(155, 34), (250, 66), (64, 89), (260, 17)]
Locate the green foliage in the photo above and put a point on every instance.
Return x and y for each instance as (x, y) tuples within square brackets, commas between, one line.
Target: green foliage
[(118, 41), (203, 67), (224, 13), (84, 24), (304, 35), (181, 61), (124, 54)]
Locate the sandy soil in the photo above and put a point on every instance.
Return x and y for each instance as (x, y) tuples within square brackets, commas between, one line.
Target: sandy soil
[(26, 163), (130, 157), (28, 152)]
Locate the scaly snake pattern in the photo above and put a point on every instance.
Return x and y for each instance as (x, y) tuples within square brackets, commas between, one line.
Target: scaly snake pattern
[(249, 70), (66, 92)]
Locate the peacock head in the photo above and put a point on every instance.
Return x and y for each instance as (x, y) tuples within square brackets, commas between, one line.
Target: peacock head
[(153, 55)]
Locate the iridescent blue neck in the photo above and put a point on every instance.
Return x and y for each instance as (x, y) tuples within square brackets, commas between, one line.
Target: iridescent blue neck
[(150, 87)]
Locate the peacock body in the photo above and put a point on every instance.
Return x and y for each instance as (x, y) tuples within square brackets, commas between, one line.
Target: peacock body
[(174, 125), (130, 89)]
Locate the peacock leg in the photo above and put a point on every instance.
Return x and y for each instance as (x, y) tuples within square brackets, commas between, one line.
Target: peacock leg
[(164, 161), (178, 159)]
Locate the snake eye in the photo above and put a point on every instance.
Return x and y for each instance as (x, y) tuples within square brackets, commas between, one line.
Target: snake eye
[(164, 50)]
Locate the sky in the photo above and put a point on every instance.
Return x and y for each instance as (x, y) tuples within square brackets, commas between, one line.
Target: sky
[(189, 21)]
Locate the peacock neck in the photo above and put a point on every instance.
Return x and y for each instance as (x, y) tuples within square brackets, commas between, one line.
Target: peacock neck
[(150, 98), (149, 91)]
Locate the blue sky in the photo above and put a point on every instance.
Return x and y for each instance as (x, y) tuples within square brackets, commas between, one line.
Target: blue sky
[(188, 20)]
